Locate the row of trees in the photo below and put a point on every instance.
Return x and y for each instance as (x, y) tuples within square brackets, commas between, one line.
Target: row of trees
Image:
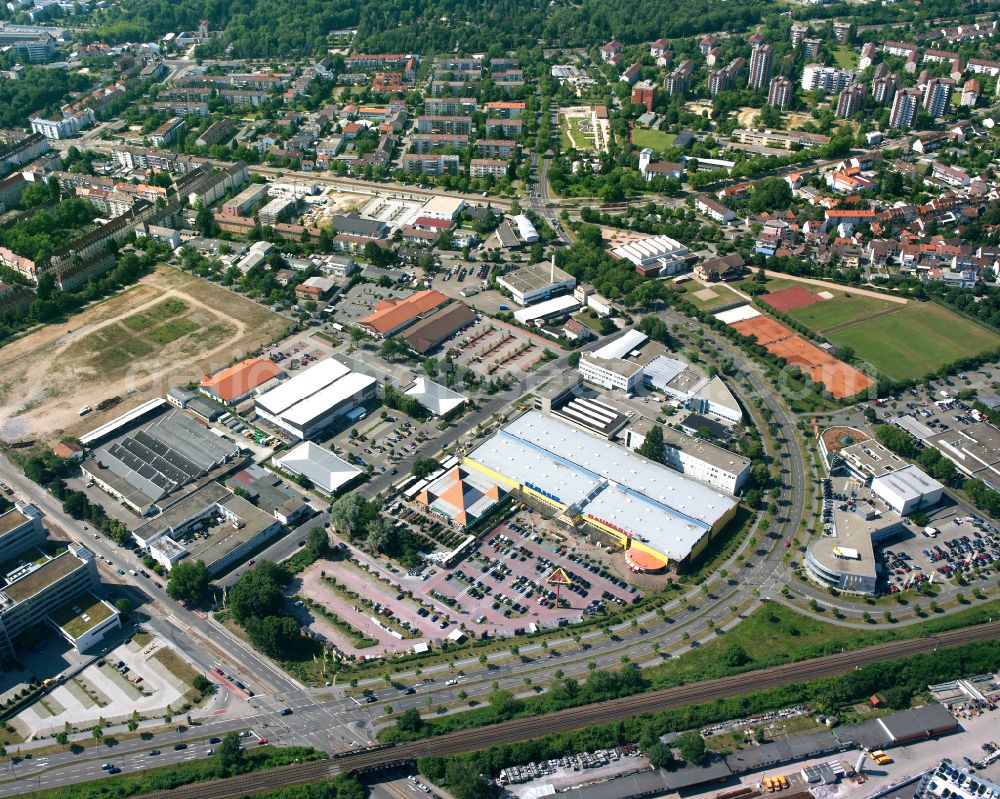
[(900, 679), (51, 303)]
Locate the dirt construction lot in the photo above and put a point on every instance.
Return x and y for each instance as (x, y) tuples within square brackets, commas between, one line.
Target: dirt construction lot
[(167, 330)]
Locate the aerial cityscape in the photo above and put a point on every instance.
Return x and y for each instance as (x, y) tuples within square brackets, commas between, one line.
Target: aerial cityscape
[(500, 400)]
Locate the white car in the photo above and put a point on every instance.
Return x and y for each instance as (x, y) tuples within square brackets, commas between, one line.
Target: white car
[(84, 410), (452, 681)]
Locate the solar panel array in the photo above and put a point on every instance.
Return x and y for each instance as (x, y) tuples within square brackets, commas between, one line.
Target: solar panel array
[(152, 460)]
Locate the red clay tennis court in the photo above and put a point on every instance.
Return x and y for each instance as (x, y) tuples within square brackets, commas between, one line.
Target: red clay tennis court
[(763, 328), (840, 379), (791, 298)]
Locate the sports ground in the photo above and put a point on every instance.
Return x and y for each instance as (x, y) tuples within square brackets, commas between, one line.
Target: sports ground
[(902, 339), (914, 340), (840, 379)]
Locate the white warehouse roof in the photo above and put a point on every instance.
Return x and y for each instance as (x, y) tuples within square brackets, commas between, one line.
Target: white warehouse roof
[(647, 251), (622, 345), (908, 483), (326, 471), (525, 229), (329, 397), (650, 502), (303, 385), (553, 307)]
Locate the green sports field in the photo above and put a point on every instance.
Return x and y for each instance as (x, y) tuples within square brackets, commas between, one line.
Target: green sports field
[(723, 295), (919, 338), (654, 139), (842, 308)]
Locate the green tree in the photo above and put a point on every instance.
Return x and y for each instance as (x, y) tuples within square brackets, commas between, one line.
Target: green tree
[(277, 636), (423, 467), (503, 702), (317, 542), (229, 754), (257, 593), (409, 721), (691, 746), (465, 783), (352, 513), (124, 607), (188, 581), (659, 755), (652, 446)]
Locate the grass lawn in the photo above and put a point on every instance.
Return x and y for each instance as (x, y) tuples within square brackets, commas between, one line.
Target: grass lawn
[(113, 347), (843, 308), (845, 57), (175, 664), (172, 330), (655, 139), (565, 142), (144, 320), (775, 634), (590, 319), (723, 296), (583, 140), (919, 338), (571, 136)]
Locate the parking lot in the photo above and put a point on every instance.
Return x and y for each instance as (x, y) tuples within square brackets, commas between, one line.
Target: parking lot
[(491, 347), (381, 443), (501, 583), (963, 545), (498, 588), (131, 677), (359, 301)]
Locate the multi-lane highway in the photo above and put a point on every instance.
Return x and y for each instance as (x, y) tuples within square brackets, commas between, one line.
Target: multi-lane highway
[(576, 718)]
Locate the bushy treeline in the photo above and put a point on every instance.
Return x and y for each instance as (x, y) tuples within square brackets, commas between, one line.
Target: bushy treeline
[(896, 681)]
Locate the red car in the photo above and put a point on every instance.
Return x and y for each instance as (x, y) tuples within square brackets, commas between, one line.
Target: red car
[(251, 562), (262, 741)]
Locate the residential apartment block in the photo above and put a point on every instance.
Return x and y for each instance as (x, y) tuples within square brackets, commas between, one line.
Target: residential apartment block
[(827, 79), (761, 61), (779, 92)]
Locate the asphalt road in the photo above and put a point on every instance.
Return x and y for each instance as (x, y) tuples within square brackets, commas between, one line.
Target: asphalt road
[(328, 720), (576, 718)]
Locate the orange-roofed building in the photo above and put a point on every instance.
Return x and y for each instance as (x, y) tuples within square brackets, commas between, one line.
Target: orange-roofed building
[(392, 316), (504, 109), (235, 384), (461, 496), (640, 561), (68, 451)]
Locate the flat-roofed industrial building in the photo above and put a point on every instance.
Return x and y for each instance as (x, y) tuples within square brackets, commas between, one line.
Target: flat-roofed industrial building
[(312, 400), (644, 506)]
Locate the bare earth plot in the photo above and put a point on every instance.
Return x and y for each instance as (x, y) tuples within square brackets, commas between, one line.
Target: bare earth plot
[(169, 329)]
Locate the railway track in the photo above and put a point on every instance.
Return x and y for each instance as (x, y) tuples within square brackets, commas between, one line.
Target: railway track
[(575, 718)]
